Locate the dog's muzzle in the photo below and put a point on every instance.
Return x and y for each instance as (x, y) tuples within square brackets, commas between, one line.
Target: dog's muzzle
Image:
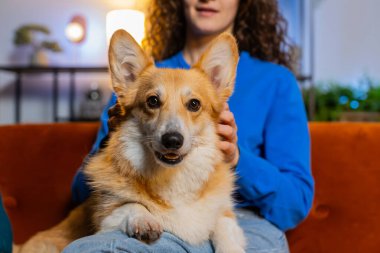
[(171, 142)]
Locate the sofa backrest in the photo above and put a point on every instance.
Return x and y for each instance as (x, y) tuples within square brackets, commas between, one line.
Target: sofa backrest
[(346, 166), (38, 162)]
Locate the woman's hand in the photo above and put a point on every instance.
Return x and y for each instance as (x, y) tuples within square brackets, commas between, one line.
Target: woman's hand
[(227, 130)]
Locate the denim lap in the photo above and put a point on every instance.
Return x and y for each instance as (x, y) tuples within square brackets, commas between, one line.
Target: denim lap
[(119, 242), (262, 237)]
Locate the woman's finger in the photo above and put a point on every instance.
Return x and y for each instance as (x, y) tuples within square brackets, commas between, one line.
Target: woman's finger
[(227, 132)]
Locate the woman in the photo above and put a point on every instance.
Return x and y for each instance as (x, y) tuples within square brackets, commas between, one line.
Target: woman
[(275, 186)]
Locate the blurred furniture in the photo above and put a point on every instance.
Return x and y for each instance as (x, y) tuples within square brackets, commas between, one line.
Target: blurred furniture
[(19, 71), (38, 162), (360, 116)]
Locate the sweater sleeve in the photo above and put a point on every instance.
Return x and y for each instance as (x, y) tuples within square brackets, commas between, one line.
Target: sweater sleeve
[(279, 181), (79, 188), (5, 231)]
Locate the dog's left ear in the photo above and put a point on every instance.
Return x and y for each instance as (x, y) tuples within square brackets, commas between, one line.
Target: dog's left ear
[(127, 60), (219, 62)]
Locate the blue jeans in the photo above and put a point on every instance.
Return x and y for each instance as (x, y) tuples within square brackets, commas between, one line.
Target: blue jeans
[(262, 237)]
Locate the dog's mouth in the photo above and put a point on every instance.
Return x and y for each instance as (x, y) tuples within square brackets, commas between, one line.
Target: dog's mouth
[(169, 158)]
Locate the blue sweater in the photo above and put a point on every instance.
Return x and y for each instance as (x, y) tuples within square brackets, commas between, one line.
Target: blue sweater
[(5, 231), (274, 167)]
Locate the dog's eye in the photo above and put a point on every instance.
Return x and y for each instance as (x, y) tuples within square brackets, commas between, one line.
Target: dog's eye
[(194, 105), (153, 102)]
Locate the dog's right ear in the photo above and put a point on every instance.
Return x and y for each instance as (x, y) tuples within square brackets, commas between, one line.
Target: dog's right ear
[(219, 62), (126, 61)]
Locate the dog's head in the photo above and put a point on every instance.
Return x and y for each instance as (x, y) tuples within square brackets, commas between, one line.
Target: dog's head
[(170, 111)]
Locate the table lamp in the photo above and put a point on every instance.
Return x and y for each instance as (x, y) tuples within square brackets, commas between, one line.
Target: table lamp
[(130, 20), (76, 32), (76, 29)]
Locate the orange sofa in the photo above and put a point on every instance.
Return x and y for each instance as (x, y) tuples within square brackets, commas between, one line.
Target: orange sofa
[(37, 163)]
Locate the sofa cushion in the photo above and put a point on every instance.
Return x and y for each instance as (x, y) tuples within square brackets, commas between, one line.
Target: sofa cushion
[(346, 168), (37, 164)]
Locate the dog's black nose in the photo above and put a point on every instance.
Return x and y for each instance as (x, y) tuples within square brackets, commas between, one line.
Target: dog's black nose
[(172, 140)]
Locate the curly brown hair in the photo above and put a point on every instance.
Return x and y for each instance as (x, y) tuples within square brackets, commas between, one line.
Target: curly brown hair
[(259, 29)]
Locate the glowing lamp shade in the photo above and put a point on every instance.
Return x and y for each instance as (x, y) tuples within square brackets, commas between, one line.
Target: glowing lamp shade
[(74, 32), (130, 20), (76, 29)]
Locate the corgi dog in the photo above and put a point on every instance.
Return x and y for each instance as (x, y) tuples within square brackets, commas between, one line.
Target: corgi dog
[(161, 169)]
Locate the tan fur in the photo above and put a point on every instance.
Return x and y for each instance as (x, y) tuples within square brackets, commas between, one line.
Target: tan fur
[(135, 191), (229, 214)]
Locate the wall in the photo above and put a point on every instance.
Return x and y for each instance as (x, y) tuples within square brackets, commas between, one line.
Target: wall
[(347, 38), (37, 103), (345, 42)]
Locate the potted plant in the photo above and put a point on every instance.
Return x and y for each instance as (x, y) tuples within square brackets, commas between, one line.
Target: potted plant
[(346, 102), (27, 35)]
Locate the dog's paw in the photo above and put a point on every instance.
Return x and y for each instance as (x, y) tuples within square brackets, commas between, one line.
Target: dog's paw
[(228, 237), (144, 228)]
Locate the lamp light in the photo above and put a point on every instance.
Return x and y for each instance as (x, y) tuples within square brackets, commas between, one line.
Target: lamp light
[(76, 29), (130, 20)]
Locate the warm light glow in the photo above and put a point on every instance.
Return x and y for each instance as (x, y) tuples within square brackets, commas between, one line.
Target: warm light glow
[(74, 32), (130, 20), (76, 29)]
